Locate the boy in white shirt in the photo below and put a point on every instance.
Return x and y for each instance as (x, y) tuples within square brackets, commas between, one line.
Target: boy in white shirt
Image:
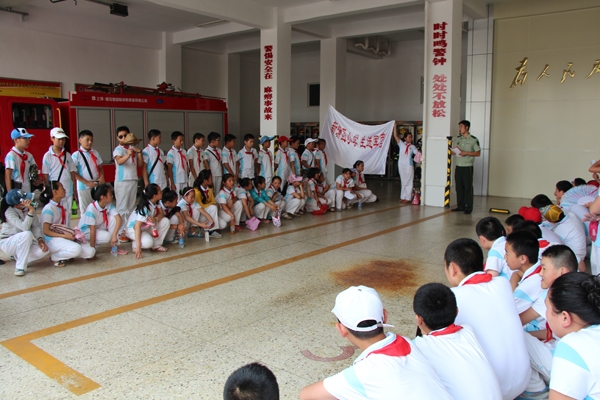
[(177, 164), (307, 160), (57, 165), (212, 160), (89, 169), (195, 155), (389, 366), (18, 161), (282, 159), (453, 350), (265, 159), (487, 305), (248, 157), (492, 237), (229, 157), (154, 161), (321, 161)]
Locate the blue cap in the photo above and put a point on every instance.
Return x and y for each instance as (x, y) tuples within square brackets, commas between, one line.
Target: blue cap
[(20, 133), (265, 138), (15, 196)]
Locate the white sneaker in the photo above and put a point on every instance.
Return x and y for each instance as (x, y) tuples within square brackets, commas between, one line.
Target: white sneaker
[(19, 272), (215, 235)]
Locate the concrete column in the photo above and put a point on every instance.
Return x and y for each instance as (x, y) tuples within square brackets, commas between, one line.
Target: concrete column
[(441, 111), (169, 61), (275, 79), (332, 84), (233, 93)]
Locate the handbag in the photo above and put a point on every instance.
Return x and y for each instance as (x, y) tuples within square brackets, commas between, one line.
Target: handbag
[(252, 223), (66, 230), (593, 230), (277, 219), (322, 210)]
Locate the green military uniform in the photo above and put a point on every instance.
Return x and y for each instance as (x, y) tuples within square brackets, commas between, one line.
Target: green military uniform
[(463, 173)]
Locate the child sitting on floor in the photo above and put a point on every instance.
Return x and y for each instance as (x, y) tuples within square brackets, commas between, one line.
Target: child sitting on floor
[(231, 206), (276, 196), (251, 382), (295, 199), (173, 213), (264, 206), (492, 237), (147, 225), (194, 215)]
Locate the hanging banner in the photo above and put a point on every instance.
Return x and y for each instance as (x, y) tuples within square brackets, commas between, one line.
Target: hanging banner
[(349, 141), (28, 88)]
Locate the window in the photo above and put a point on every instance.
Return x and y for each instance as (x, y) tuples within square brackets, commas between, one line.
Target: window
[(314, 94), (32, 116)]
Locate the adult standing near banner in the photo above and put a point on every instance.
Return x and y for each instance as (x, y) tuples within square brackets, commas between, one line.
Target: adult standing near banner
[(466, 148), (406, 169)]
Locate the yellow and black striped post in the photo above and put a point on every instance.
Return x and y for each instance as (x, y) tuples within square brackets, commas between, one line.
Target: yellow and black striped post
[(448, 173)]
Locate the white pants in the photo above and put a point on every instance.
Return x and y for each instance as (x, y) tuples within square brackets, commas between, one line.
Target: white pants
[(64, 249), (293, 205), (339, 196), (85, 198), (367, 196), (213, 211), (260, 211), (280, 204), (540, 358), (174, 220), (407, 174), (330, 197), (102, 236), (312, 204), (178, 188), (125, 194), (217, 183), (24, 248), (595, 259), (67, 203), (148, 242), (237, 209)]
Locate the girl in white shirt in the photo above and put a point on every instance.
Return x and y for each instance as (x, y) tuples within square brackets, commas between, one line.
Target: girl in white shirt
[(21, 235), (193, 213), (360, 184)]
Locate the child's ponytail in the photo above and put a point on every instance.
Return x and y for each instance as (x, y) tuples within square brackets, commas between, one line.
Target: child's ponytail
[(46, 194), (148, 193)]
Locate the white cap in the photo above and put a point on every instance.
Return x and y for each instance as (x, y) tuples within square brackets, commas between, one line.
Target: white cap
[(357, 304), (309, 140), (58, 133)]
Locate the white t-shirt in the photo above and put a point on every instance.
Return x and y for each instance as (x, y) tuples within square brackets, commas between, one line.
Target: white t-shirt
[(405, 153), (82, 170), (490, 309), (247, 159), (213, 155), (197, 158), (345, 183), (128, 170), (282, 159), (178, 161), (265, 159), (549, 235), (375, 375), (576, 364), (229, 157), (572, 232), (93, 216), (13, 160), (495, 258), (158, 175), (52, 164), (136, 216), (457, 357)]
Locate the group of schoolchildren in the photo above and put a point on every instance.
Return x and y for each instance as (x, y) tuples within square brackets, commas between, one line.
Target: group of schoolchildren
[(523, 325), (187, 193)]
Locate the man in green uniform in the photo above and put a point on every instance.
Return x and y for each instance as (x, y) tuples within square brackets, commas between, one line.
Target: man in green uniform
[(463, 173)]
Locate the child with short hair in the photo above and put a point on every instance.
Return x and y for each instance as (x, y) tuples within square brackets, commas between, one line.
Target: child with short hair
[(561, 188), (360, 184), (205, 197), (230, 205), (173, 213), (295, 199), (388, 368), (307, 160), (535, 229), (492, 237), (100, 221), (241, 192), (194, 215), (62, 246), (265, 159), (511, 221), (251, 382), (57, 165), (177, 163), (453, 350), (326, 191), (344, 190), (147, 225), (321, 161), (294, 157), (20, 234), (487, 305), (212, 159), (154, 166), (90, 173), (195, 155), (273, 191), (127, 158), (264, 207), (406, 169), (282, 158), (247, 157), (18, 162), (229, 158)]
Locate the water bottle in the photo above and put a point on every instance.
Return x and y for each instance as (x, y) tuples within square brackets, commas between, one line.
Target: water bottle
[(359, 205), (181, 244), (113, 251), (74, 208), (206, 236)]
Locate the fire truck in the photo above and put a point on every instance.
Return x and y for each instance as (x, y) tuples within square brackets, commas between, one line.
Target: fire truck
[(102, 108)]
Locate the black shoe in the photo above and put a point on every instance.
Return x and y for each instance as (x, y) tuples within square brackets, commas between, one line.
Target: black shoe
[(457, 209), (468, 212)]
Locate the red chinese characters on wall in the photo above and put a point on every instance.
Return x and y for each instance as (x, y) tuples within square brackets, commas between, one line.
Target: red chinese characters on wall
[(268, 62), (439, 43), (268, 103), (439, 89), (364, 142), (268, 72)]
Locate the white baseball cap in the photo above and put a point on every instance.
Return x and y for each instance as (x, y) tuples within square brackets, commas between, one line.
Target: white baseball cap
[(58, 133), (357, 304), (310, 140)]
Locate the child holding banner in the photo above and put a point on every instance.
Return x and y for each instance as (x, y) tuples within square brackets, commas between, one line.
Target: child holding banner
[(406, 151)]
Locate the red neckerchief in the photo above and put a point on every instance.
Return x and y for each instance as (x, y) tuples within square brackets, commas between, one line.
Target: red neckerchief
[(548, 333), (215, 153), (62, 153), (198, 152), (205, 191), (452, 328), (94, 160), (325, 155), (478, 278), (398, 348), (360, 178), (250, 152), (535, 271), (287, 157), (183, 160), (232, 193), (103, 212), (126, 147), (63, 213), (407, 147), (23, 158), (267, 152)]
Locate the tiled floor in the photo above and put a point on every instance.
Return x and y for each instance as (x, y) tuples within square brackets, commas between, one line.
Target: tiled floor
[(175, 325)]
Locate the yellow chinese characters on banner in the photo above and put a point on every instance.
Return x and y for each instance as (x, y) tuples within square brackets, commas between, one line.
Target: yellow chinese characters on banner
[(27, 88)]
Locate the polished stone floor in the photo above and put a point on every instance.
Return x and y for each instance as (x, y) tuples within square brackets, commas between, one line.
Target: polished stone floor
[(174, 325)]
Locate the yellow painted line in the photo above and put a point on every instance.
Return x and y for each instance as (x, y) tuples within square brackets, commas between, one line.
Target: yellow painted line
[(179, 256), (79, 384)]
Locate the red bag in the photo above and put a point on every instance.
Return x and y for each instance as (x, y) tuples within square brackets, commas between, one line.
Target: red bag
[(594, 230), (322, 210)]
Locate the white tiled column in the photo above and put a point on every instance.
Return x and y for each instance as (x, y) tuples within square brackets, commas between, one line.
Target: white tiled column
[(479, 94)]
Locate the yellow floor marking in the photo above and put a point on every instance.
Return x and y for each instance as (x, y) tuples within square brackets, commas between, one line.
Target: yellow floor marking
[(177, 257), (78, 383)]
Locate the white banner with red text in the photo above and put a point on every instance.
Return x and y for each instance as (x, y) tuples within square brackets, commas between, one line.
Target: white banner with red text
[(349, 141)]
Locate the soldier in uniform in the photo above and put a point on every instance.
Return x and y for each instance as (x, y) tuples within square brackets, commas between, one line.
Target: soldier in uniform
[(463, 173)]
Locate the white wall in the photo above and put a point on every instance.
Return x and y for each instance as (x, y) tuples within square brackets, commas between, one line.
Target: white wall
[(249, 96), (305, 70), (204, 73)]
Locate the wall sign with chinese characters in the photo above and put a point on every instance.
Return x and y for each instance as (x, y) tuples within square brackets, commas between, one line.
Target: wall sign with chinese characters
[(521, 75), (268, 71), (439, 43), (439, 84)]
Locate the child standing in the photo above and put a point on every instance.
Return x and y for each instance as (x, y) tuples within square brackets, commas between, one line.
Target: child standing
[(344, 190), (247, 157), (231, 206), (265, 159), (61, 245), (18, 161), (154, 161), (147, 225), (229, 157), (21, 235), (282, 158), (204, 194), (100, 222), (321, 157), (212, 159), (360, 184), (295, 199), (294, 157), (406, 152), (308, 158), (195, 155), (264, 206), (177, 163), (89, 169), (57, 165)]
